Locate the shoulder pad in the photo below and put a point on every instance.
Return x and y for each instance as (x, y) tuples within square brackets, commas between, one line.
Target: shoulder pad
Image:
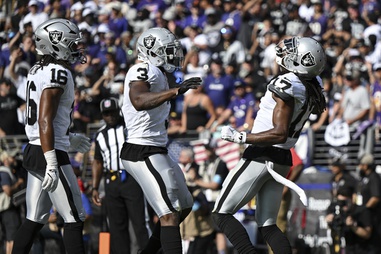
[(281, 86)]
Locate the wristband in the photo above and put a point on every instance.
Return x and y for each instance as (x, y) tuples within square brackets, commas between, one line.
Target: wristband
[(51, 158), (243, 135)]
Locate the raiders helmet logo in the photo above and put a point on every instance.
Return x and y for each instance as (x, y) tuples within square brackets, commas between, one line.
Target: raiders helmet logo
[(55, 36), (308, 60), (149, 41)]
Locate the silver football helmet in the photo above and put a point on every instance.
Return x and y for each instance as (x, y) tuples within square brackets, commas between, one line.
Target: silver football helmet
[(59, 38), (302, 55), (160, 47)]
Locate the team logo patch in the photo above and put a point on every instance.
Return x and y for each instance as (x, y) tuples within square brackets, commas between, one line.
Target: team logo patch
[(149, 41), (308, 60), (55, 36)]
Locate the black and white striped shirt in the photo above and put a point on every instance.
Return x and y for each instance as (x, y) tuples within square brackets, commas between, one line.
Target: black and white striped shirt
[(108, 143)]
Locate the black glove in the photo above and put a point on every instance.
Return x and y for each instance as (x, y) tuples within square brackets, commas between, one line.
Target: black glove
[(191, 83)]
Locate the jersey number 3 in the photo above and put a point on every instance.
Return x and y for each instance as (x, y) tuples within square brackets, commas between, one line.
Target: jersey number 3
[(143, 74)]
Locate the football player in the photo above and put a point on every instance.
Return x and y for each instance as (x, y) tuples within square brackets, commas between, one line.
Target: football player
[(289, 100), (144, 154), (50, 100)]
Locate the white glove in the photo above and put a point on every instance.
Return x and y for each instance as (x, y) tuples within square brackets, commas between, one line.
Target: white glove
[(51, 178), (79, 142), (230, 134)]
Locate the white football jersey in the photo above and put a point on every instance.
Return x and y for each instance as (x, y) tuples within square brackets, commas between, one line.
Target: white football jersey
[(53, 75), (146, 127), (287, 86)]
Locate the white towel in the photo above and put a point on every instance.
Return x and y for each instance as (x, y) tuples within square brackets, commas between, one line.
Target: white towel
[(286, 182)]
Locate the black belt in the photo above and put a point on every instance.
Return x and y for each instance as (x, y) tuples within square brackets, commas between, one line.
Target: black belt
[(268, 153), (117, 174)]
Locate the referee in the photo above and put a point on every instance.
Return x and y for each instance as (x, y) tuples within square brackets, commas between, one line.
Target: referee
[(124, 199)]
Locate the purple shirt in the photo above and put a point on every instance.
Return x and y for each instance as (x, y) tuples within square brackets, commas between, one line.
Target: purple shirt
[(239, 107), (117, 51), (318, 26), (233, 18), (151, 5), (370, 6), (219, 89), (118, 26), (192, 21)]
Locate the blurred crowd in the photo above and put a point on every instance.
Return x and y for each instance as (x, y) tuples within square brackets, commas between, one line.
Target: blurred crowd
[(229, 43)]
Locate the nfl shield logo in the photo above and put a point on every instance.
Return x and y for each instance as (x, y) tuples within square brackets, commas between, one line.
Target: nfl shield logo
[(107, 104), (308, 60), (149, 41), (55, 36)]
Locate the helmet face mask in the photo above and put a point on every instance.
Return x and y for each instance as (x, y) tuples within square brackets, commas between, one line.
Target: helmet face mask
[(77, 53), (59, 38), (174, 55), (160, 47), (287, 47), (303, 56)]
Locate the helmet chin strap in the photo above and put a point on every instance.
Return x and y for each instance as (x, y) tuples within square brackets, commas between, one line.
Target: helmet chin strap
[(279, 61)]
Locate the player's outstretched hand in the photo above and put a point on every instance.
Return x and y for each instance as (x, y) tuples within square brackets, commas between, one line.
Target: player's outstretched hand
[(230, 134), (191, 83), (79, 142), (50, 182)]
